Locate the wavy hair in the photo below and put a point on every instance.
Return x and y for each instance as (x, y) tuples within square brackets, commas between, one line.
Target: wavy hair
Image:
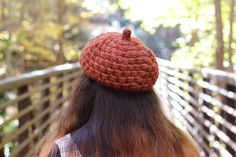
[(121, 124)]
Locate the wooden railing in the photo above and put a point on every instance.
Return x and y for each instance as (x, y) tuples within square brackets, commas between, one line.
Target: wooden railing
[(27, 104), (202, 102)]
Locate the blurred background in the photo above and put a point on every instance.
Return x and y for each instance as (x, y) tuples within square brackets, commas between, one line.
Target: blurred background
[(35, 34), (197, 81)]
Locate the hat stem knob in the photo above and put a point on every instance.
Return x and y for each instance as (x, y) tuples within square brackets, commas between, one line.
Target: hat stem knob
[(126, 34)]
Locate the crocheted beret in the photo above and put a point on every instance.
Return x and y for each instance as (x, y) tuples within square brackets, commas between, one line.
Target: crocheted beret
[(120, 61)]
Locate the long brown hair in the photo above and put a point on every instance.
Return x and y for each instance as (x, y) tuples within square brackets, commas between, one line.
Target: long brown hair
[(120, 123)]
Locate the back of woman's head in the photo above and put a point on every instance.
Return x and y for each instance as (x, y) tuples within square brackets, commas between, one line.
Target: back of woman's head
[(114, 111), (117, 122)]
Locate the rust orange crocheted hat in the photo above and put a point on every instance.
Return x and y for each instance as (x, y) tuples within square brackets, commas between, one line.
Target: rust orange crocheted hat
[(120, 61)]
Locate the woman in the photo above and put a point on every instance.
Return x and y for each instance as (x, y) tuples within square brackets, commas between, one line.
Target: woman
[(114, 112)]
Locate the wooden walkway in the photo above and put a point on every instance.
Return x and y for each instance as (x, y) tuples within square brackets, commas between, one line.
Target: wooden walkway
[(200, 101)]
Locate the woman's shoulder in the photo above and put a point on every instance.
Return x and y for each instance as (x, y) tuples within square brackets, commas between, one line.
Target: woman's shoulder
[(65, 146), (55, 152), (64, 140), (68, 144)]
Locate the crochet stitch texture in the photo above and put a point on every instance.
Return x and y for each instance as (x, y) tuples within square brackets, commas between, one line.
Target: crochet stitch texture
[(120, 61)]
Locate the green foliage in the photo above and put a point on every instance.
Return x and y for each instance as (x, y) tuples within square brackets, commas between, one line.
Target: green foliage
[(11, 127), (197, 23), (200, 54), (35, 35)]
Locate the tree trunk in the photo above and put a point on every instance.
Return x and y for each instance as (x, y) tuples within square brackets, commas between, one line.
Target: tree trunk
[(219, 57), (22, 12), (231, 25), (33, 10), (60, 20), (3, 16)]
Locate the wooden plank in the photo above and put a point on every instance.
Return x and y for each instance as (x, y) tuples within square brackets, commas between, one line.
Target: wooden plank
[(60, 88), (29, 140), (220, 134), (203, 84), (219, 75), (43, 127), (231, 119), (38, 89), (25, 111), (14, 101), (180, 115), (22, 113), (225, 107), (11, 137), (31, 107), (214, 88), (46, 104), (206, 72), (219, 119), (166, 63), (22, 105)]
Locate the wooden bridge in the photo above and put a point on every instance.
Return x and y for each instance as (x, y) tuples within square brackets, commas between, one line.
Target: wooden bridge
[(200, 101)]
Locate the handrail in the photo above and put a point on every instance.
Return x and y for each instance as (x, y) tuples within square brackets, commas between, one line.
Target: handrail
[(207, 72), (16, 81)]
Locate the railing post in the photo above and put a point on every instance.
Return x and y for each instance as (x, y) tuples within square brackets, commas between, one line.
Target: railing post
[(60, 89), (2, 95), (166, 82), (46, 104), (70, 88), (179, 86), (71, 84), (213, 137), (22, 105), (205, 117), (219, 111), (232, 103), (1, 149), (194, 94)]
